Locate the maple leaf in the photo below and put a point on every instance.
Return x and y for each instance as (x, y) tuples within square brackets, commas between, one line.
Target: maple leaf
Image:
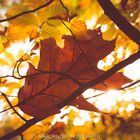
[(75, 63)]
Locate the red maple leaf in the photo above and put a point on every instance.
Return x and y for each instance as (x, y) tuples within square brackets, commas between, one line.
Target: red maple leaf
[(61, 70)]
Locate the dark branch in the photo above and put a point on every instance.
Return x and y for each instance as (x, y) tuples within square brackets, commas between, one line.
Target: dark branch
[(11, 106), (128, 29), (120, 21), (20, 130), (83, 52), (100, 79), (75, 94), (27, 12), (129, 86), (40, 72)]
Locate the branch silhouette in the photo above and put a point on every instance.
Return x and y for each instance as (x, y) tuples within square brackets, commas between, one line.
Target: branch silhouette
[(100, 79), (74, 95), (123, 24), (11, 106), (120, 21), (27, 12)]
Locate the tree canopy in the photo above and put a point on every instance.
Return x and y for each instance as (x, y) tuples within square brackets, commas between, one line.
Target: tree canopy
[(69, 69)]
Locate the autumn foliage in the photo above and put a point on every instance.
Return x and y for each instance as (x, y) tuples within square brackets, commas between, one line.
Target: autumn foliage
[(66, 42), (77, 60)]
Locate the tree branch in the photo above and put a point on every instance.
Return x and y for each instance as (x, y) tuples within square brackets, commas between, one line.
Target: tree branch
[(121, 88), (86, 58), (100, 79), (75, 94), (18, 131), (27, 12), (120, 21), (12, 107), (125, 26)]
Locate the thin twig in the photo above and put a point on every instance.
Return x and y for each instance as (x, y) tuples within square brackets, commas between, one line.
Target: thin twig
[(9, 95), (40, 72), (122, 88), (74, 95), (11, 106), (96, 73), (27, 12), (98, 80), (96, 95), (5, 110), (129, 85), (65, 9)]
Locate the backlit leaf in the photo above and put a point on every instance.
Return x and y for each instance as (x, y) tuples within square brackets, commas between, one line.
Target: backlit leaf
[(27, 19), (79, 29), (1, 48), (17, 33), (35, 60), (28, 22), (49, 31), (9, 56), (111, 32), (78, 61), (104, 20), (3, 62), (33, 3), (53, 10)]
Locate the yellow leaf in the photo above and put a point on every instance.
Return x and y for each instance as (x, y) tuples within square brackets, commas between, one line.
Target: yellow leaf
[(17, 33), (133, 47), (33, 34), (104, 20), (13, 85), (23, 26), (111, 33), (26, 20), (25, 57), (35, 60), (84, 4), (1, 47), (3, 39), (79, 29), (9, 56), (3, 62), (14, 10), (53, 10), (49, 31), (20, 54), (33, 3)]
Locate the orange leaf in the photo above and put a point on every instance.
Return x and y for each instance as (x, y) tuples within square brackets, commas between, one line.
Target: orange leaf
[(79, 29), (78, 59)]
